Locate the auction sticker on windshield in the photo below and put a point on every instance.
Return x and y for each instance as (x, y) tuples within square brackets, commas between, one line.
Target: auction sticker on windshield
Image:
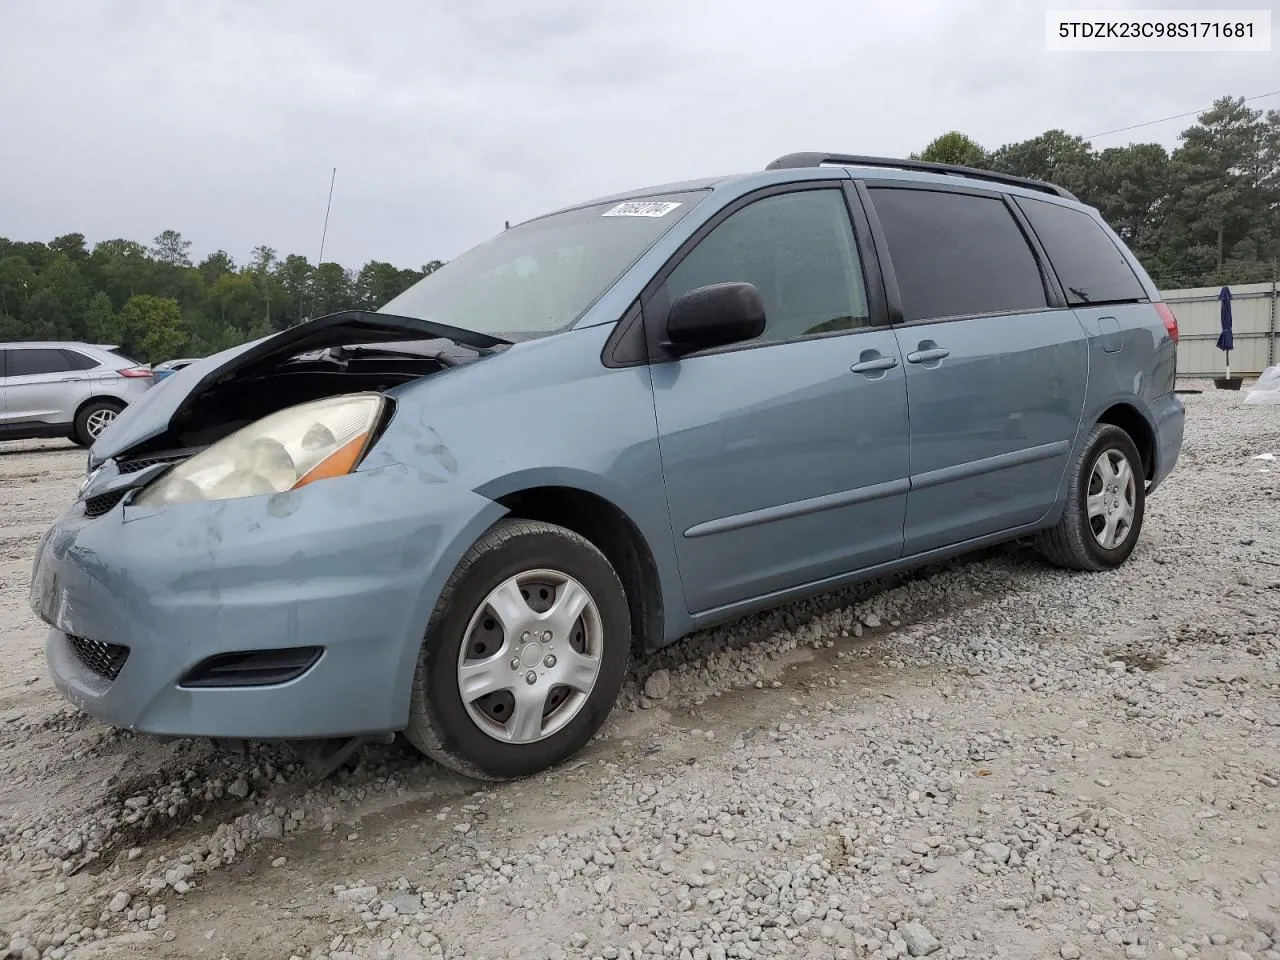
[(641, 208)]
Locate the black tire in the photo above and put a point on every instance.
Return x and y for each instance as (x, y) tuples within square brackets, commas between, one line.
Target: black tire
[(439, 722), (81, 430), (1072, 544)]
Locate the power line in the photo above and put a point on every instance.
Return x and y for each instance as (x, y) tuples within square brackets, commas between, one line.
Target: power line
[(1176, 116)]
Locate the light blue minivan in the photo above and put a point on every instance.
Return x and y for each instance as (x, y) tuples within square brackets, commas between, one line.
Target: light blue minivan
[(459, 516)]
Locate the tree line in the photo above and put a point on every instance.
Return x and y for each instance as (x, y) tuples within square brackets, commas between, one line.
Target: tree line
[(1206, 213), (156, 304)]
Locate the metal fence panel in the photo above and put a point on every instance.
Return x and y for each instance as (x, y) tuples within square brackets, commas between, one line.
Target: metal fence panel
[(1253, 316)]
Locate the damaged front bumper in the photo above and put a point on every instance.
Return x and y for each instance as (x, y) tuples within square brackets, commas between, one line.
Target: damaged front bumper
[(347, 570)]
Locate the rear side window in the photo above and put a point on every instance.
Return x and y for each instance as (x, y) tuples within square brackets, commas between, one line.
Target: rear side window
[(957, 254), (1089, 265), (78, 361), (25, 363)]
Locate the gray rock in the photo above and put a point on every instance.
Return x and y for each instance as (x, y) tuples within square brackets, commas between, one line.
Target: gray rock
[(406, 904), (997, 852), (920, 942), (658, 686), (270, 827), (119, 903)]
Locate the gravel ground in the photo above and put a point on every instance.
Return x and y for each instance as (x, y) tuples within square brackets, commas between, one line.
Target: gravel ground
[(991, 758)]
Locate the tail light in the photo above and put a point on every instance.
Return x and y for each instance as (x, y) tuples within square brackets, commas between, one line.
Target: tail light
[(1170, 321), (135, 372)]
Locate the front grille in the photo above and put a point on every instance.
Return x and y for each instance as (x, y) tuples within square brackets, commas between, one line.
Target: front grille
[(133, 466), (97, 506), (104, 659)]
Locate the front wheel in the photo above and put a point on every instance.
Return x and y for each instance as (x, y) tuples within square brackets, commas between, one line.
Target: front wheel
[(1105, 505), (524, 654)]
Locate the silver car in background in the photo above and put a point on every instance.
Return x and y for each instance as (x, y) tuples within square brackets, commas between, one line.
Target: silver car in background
[(65, 389)]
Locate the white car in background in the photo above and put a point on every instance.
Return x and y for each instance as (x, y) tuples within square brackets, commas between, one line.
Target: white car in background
[(65, 389), (170, 367)]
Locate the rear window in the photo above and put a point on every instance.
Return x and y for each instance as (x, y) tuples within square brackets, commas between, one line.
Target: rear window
[(1089, 265), (957, 254)]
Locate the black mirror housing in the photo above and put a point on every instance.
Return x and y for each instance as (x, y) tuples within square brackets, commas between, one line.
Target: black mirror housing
[(716, 315)]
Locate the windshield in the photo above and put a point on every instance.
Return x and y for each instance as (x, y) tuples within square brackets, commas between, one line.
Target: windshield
[(542, 276)]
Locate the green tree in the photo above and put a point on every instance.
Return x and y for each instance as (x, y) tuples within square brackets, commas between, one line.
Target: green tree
[(124, 267), (153, 327), (169, 248), (378, 282), (953, 147), (332, 289), (57, 309), (17, 284), (71, 244), (102, 325), (1223, 186), (1129, 186), (215, 265), (45, 318), (294, 276), (1055, 156)]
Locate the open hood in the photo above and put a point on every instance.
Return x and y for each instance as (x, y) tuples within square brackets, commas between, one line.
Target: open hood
[(165, 407)]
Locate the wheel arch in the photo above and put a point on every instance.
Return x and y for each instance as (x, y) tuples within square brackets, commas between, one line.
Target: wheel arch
[(1130, 419), (98, 398), (600, 520)]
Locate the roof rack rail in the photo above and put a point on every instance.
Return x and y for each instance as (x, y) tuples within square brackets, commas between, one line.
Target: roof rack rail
[(816, 159)]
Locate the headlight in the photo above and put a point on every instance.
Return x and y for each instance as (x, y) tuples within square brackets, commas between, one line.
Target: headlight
[(283, 451)]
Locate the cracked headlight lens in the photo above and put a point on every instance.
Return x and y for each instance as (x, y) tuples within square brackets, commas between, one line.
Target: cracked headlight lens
[(283, 451)]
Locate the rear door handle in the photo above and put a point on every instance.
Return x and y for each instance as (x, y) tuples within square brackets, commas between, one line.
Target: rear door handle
[(878, 363), (928, 356)]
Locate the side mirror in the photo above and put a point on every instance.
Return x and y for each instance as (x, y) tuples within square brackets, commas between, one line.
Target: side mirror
[(714, 316)]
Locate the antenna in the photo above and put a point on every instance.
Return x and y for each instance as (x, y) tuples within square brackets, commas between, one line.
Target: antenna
[(323, 234)]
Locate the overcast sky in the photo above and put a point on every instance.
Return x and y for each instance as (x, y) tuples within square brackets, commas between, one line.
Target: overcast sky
[(222, 119)]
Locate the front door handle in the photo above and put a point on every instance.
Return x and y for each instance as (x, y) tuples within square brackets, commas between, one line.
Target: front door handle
[(928, 354), (874, 364)]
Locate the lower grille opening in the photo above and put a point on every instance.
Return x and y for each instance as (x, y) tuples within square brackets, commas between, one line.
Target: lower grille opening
[(252, 668), (104, 659)]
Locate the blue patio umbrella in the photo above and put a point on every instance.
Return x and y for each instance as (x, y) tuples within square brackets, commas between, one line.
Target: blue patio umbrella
[(1225, 339)]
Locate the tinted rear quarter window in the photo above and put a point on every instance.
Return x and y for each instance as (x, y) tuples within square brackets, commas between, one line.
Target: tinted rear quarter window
[(25, 363), (1089, 265), (78, 361), (957, 254)]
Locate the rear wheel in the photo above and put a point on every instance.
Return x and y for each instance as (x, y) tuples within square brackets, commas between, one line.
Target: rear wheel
[(93, 418), (524, 655), (1105, 505)]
